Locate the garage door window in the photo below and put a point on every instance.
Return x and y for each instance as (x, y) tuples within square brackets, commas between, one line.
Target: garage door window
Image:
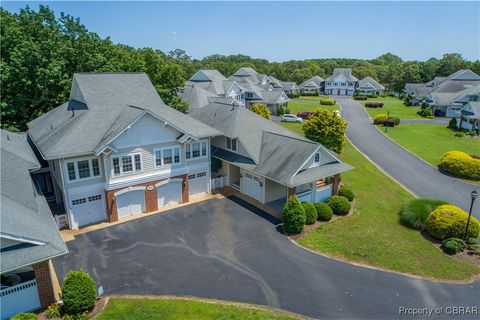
[(201, 174), (95, 198), (76, 202), (191, 176)]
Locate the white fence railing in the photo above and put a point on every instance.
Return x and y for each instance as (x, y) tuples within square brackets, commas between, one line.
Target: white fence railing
[(219, 182), (20, 298)]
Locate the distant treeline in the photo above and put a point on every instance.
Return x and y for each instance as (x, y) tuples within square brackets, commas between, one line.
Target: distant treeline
[(41, 51)]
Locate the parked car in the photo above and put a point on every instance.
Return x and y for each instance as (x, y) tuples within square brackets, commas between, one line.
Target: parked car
[(291, 118), (304, 115)]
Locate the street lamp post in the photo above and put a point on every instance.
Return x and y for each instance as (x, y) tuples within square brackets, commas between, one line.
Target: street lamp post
[(474, 195)]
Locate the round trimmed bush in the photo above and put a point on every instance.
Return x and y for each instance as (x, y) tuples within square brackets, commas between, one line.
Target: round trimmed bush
[(78, 292), (293, 216), (453, 245), (380, 118), (310, 213), (347, 193), (327, 102), (339, 204), (24, 316), (449, 221), (414, 213), (324, 212), (460, 164), (396, 120)]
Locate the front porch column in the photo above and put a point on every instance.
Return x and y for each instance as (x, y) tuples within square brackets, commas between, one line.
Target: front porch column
[(44, 283), (313, 193), (336, 184), (461, 122)]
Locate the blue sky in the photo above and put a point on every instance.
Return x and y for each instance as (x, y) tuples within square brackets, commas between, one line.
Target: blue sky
[(280, 31)]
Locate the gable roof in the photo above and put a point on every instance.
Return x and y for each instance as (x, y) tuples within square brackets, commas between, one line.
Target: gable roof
[(315, 79), (449, 94), (195, 96), (288, 85), (246, 71), (112, 101), (344, 72), (372, 82), (471, 110), (276, 152), (25, 216)]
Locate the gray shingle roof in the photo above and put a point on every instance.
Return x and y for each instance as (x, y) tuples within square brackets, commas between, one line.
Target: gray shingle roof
[(25, 215), (246, 71), (345, 72), (315, 79), (371, 81), (195, 96), (471, 110), (289, 85), (112, 102), (277, 153)]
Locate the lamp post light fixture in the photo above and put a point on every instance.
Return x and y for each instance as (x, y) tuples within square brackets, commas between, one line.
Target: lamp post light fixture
[(473, 195)]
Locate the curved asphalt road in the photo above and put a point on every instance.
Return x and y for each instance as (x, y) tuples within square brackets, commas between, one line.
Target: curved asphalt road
[(232, 251), (413, 173)]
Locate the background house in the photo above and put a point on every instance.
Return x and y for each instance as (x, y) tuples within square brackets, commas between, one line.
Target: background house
[(341, 83), (470, 116), (29, 236), (314, 85), (114, 149), (369, 87)]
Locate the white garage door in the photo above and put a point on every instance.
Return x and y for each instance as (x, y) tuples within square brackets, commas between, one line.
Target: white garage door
[(197, 184), (88, 208), (252, 186), (169, 193), (130, 203)]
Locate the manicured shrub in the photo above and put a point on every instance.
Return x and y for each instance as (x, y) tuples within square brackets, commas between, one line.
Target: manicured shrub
[(414, 213), (310, 213), (287, 111), (460, 164), (395, 119), (452, 124), (293, 215), (347, 193), (389, 123), (453, 245), (380, 118), (449, 221), (280, 111), (261, 110), (24, 316), (53, 311), (339, 204), (360, 98), (426, 113), (459, 134), (78, 292), (471, 241), (324, 212), (374, 104), (327, 102), (327, 128)]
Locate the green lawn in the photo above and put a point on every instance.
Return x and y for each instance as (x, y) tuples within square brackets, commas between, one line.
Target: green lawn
[(396, 108), (386, 98), (431, 141), (178, 308), (311, 97), (308, 105), (373, 235), (295, 127)]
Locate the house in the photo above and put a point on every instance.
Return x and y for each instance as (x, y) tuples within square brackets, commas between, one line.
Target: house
[(313, 86), (470, 116), (206, 84), (447, 101), (290, 88), (115, 149), (369, 87), (265, 161), (29, 236), (260, 88), (341, 83), (245, 86), (441, 92)]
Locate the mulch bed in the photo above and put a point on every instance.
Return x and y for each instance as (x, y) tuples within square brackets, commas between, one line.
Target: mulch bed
[(97, 309)]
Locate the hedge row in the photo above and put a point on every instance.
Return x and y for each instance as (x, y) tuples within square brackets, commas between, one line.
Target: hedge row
[(460, 164), (374, 104), (327, 102)]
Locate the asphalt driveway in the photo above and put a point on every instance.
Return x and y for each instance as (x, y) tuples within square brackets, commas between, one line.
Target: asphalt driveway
[(229, 250), (416, 175)]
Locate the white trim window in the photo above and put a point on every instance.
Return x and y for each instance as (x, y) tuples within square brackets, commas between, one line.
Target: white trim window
[(126, 164), (82, 169), (167, 157), (232, 144), (196, 150)]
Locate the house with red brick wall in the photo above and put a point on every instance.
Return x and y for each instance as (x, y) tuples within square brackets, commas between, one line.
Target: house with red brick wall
[(29, 236)]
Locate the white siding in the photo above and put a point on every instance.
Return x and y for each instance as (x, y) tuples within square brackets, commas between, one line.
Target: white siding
[(274, 191)]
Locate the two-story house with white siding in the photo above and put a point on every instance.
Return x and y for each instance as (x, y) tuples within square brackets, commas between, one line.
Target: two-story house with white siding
[(115, 149), (341, 82)]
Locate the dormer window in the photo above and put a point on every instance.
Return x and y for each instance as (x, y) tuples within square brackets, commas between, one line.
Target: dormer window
[(317, 158), (232, 144)]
